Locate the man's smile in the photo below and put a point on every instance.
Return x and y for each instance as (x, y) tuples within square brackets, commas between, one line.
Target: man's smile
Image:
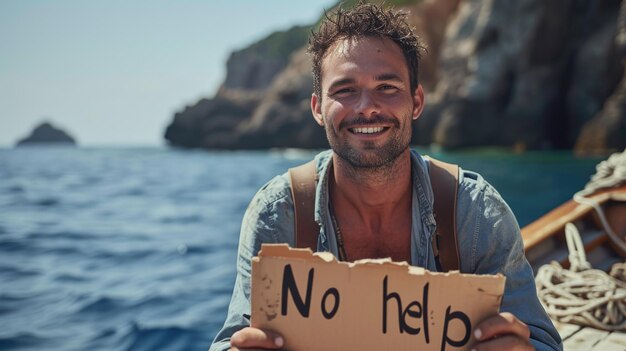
[(368, 130)]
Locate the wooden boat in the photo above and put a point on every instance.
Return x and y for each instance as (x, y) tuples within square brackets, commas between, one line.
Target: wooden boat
[(545, 241)]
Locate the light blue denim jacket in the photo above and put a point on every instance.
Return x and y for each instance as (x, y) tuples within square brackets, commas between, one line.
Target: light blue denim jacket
[(488, 234)]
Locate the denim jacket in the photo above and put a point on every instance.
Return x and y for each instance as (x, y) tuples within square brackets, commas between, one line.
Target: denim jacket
[(488, 236)]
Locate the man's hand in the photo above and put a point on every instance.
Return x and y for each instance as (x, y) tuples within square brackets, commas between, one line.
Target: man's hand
[(502, 332), (249, 337)]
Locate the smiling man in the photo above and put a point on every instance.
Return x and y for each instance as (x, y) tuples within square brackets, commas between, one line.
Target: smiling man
[(374, 196)]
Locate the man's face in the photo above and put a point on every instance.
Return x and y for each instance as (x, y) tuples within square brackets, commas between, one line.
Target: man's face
[(367, 104)]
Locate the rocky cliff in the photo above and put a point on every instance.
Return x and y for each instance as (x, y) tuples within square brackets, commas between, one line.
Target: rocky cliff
[(527, 74), (226, 121), (607, 128)]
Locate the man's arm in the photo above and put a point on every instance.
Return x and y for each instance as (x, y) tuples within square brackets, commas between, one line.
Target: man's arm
[(268, 219), (492, 244)]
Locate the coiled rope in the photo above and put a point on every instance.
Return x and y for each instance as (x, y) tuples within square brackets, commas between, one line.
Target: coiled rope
[(582, 295), (609, 173)]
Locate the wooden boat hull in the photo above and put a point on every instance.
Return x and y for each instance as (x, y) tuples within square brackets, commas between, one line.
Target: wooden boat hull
[(544, 239)]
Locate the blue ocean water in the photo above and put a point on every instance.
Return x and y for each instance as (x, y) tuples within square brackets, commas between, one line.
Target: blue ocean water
[(134, 248)]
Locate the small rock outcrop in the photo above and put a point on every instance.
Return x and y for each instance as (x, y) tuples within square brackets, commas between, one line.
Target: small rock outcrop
[(46, 133)]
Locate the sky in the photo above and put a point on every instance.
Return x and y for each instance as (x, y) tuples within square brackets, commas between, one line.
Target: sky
[(114, 72)]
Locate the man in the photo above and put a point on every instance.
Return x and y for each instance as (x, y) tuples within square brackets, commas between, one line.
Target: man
[(374, 196)]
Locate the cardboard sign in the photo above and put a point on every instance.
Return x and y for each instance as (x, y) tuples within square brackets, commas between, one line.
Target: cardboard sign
[(317, 303)]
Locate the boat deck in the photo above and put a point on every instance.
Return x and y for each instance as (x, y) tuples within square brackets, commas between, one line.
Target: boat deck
[(577, 338)]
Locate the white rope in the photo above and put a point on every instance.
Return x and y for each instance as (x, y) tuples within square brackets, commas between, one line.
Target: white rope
[(582, 295), (609, 173), (577, 257)]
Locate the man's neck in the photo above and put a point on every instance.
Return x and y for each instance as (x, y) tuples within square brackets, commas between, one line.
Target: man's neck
[(372, 192)]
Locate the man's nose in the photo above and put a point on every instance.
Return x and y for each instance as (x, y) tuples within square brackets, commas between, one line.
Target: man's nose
[(367, 105)]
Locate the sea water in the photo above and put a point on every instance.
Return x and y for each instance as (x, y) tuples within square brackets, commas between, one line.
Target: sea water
[(135, 248)]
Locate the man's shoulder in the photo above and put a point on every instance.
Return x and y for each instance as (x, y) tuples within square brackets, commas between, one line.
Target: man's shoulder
[(477, 194), (276, 189), (473, 182), (279, 187)]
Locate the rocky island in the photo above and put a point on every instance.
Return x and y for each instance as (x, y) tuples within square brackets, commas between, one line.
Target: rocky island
[(526, 74), (46, 133)]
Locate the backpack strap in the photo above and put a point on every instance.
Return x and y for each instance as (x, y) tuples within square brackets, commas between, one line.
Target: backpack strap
[(303, 182), (444, 178)]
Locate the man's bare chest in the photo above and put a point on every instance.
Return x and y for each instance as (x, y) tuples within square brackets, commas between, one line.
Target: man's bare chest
[(360, 243)]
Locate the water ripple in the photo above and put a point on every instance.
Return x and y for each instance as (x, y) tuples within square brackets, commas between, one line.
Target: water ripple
[(22, 341), (135, 248)]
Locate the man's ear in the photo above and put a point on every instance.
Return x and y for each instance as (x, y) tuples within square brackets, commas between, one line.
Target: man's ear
[(316, 109), (418, 102)]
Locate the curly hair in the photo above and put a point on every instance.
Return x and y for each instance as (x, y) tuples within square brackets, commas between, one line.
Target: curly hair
[(365, 20)]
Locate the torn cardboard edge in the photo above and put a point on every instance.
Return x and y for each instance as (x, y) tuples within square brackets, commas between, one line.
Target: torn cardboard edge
[(318, 303), (284, 251)]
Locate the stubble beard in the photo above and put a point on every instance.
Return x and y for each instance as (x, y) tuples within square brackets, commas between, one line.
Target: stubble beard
[(370, 157)]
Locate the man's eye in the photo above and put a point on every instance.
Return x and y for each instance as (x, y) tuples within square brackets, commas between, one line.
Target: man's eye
[(343, 92), (388, 89)]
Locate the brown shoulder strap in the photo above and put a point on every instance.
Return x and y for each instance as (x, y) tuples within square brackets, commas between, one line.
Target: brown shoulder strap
[(444, 178), (303, 181)]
